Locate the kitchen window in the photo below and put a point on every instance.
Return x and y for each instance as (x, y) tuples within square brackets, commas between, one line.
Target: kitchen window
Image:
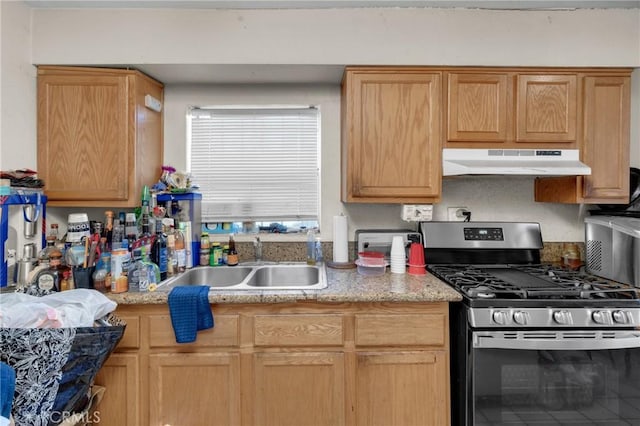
[(256, 164)]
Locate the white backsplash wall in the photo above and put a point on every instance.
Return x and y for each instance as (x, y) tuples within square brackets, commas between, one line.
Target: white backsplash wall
[(510, 198), (489, 198)]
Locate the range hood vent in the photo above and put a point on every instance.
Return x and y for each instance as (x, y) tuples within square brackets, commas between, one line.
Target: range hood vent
[(532, 162)]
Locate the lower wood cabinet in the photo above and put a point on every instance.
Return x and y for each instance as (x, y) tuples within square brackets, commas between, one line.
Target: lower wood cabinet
[(120, 405), (401, 388), (283, 364), (194, 389), (299, 388)]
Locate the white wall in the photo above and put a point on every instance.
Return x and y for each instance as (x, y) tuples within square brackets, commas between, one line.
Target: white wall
[(17, 89), (335, 36)]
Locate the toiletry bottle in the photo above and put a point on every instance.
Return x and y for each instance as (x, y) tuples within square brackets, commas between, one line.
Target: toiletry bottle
[(232, 256)]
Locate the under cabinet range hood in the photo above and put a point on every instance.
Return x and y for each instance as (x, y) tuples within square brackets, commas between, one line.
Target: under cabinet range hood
[(533, 162)]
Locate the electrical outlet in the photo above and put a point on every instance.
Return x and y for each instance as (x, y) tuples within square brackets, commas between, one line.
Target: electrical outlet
[(455, 214)]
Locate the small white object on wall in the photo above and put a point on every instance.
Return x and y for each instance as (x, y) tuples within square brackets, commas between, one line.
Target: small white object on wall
[(152, 103)]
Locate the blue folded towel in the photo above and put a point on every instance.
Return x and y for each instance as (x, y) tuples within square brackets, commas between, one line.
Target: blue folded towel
[(190, 311), (7, 388)]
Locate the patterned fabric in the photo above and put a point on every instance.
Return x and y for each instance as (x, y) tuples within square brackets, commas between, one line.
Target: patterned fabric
[(55, 367), (37, 356), (33, 290)]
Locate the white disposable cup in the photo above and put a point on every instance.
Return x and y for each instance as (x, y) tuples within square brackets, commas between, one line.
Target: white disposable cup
[(398, 270), (397, 246)]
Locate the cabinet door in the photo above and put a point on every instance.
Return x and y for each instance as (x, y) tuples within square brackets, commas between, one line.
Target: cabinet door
[(478, 108), (546, 108), (120, 405), (402, 388), (83, 137), (302, 388), (393, 137), (194, 389), (606, 138)]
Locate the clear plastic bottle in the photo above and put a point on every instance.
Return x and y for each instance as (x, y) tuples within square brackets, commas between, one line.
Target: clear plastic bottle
[(172, 261), (118, 234), (181, 251), (318, 250), (137, 271), (311, 248), (152, 275)]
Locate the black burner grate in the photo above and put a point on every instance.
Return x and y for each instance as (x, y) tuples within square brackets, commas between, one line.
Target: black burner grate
[(530, 282)]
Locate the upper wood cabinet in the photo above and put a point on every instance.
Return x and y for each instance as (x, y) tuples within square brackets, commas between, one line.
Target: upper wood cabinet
[(546, 108), (478, 107), (391, 149), (511, 109), (391, 135), (604, 147), (98, 144)]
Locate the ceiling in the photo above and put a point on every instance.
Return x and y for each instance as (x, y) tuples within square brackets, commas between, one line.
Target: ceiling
[(315, 4)]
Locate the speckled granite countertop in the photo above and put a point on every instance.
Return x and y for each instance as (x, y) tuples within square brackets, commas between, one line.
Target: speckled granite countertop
[(344, 285)]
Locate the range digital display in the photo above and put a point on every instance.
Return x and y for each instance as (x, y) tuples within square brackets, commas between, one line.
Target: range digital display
[(483, 234)]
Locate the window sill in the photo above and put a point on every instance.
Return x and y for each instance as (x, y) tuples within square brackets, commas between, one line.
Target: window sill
[(264, 237)]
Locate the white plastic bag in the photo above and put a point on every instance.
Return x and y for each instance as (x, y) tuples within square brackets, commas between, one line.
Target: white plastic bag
[(73, 308)]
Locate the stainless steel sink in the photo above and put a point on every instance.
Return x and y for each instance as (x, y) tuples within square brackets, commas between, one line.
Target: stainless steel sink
[(213, 276), (286, 276), (278, 276)]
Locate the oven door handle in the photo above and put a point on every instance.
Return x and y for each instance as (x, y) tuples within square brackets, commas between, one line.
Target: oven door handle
[(564, 341)]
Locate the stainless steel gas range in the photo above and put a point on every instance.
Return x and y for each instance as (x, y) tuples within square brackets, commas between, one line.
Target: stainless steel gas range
[(532, 343)]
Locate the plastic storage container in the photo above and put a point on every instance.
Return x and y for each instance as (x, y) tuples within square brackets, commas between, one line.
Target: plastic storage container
[(371, 265)]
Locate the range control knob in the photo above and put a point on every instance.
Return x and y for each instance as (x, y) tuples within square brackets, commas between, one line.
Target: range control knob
[(562, 317), (621, 317), (500, 317), (600, 317), (520, 317)]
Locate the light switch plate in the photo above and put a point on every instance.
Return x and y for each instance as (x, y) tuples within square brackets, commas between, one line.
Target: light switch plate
[(417, 213)]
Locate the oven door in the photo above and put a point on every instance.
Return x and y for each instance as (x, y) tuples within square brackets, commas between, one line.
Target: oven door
[(555, 377)]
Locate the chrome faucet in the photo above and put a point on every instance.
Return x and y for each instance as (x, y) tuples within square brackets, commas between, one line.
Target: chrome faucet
[(257, 248)]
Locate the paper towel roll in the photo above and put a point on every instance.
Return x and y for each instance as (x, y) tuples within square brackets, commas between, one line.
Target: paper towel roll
[(340, 239)]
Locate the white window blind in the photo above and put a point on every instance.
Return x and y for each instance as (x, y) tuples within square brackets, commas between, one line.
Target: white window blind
[(255, 164)]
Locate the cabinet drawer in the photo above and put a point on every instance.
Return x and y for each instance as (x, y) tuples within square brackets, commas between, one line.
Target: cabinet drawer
[(400, 329), (224, 333), (297, 330), (131, 337)]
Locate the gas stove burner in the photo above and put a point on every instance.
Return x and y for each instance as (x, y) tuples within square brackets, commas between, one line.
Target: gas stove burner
[(482, 292)]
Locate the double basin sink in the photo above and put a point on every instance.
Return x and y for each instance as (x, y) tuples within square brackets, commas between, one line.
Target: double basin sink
[(280, 276)]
